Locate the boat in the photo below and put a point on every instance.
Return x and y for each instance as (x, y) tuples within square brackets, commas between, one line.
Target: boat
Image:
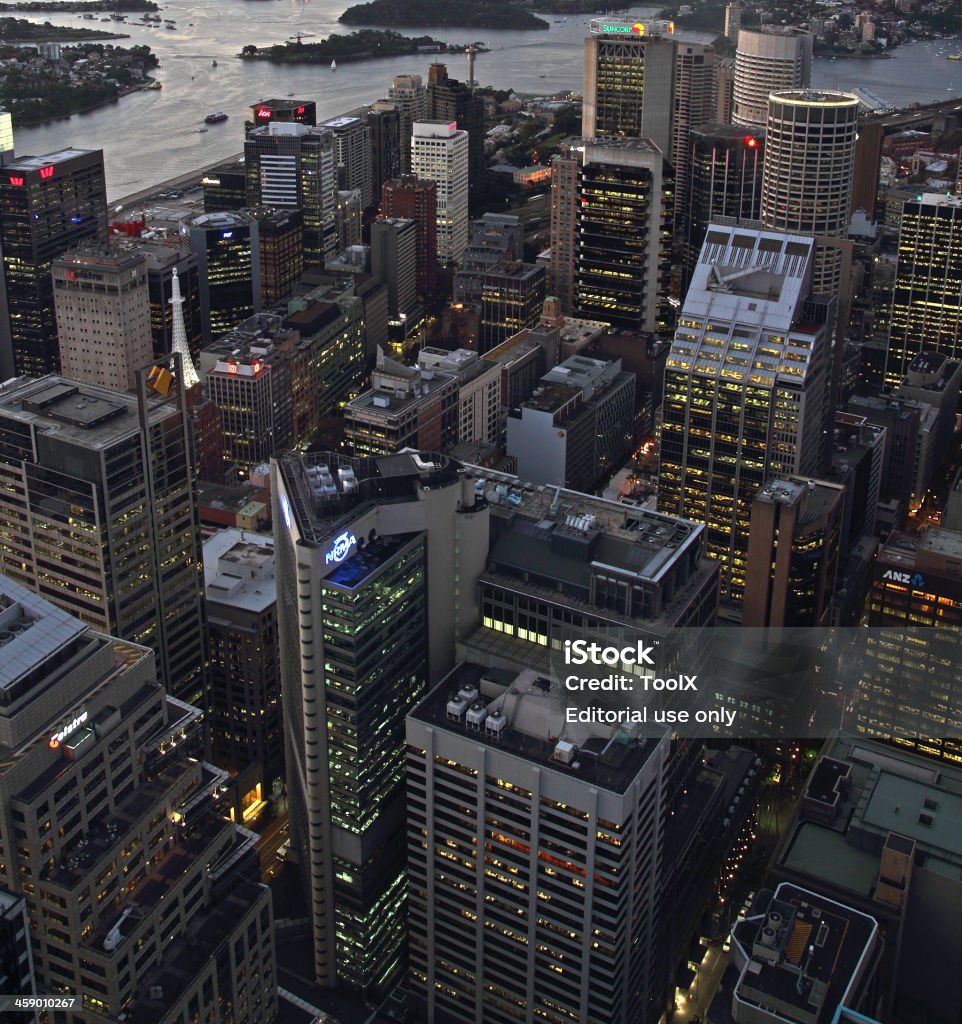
[(213, 63), (215, 118), (954, 56), (155, 85), (334, 65), (203, 129)]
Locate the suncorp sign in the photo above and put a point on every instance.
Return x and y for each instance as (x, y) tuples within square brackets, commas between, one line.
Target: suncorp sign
[(627, 28), (341, 548)]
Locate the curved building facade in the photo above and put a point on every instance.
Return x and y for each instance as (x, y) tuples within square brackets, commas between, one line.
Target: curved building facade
[(768, 61)]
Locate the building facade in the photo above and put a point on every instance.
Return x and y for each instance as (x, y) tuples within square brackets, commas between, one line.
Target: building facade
[(768, 60), (439, 153)]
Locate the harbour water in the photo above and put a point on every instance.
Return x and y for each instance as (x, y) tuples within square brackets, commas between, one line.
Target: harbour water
[(152, 136)]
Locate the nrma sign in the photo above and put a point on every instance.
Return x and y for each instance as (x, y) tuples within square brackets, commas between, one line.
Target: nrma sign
[(340, 549), (916, 579)]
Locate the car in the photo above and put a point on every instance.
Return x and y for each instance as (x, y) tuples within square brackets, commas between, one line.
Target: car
[(515, 499), (727, 944)]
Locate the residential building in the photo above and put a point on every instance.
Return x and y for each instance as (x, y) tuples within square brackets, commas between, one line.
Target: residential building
[(102, 309), (563, 259), (99, 514), (745, 386), (48, 204), (143, 901), (411, 97)]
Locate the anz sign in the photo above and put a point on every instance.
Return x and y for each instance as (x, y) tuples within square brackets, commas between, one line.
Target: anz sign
[(915, 580)]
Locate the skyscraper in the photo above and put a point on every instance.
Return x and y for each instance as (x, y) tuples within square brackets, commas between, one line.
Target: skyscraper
[(807, 175), (142, 899), (373, 594), (394, 261), (512, 294), (629, 80), (228, 263), (624, 218), (693, 104), (418, 201), (726, 181), (439, 153), (294, 165), (409, 93), (102, 308), (563, 261), (280, 247), (384, 120), (289, 111), (352, 155), (560, 920), (733, 21), (927, 296), (48, 204), (451, 100), (746, 386), (793, 553), (768, 60), (98, 515)]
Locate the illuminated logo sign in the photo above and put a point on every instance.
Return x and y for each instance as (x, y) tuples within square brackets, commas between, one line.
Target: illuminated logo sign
[(232, 367), (916, 580), (46, 172), (300, 110), (636, 29), (750, 142), (209, 181), (71, 725), (263, 113), (286, 511), (227, 234), (341, 548), (15, 180)]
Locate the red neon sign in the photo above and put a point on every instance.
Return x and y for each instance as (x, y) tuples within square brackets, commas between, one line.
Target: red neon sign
[(300, 110), (46, 172), (263, 112), (257, 366), (14, 180), (232, 367), (751, 143)]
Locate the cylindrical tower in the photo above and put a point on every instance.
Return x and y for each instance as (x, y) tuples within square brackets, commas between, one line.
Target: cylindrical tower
[(768, 61)]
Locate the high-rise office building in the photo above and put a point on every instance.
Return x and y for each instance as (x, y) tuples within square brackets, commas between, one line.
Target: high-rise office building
[(228, 265), (693, 104), (911, 682), (16, 953), (563, 259), (373, 593), (512, 294), (245, 674), (733, 21), (927, 295), (294, 165), (394, 262), (384, 120), (143, 901), (418, 201), (280, 247), (289, 111), (520, 937), (629, 79), (98, 514), (225, 187), (746, 386), (439, 153), (793, 553), (348, 217), (495, 237), (624, 223), (409, 93), (352, 155), (726, 181), (453, 101), (48, 204), (102, 307), (724, 90), (807, 174), (768, 60)]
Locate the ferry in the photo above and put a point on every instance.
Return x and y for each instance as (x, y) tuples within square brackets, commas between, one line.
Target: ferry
[(954, 56), (216, 118)]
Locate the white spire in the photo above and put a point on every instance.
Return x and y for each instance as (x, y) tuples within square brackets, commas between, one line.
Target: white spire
[(179, 333)]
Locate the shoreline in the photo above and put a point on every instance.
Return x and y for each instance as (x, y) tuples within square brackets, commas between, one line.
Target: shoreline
[(354, 58), (87, 108)]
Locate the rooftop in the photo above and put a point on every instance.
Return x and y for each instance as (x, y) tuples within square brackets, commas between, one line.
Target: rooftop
[(83, 414), (523, 713), (807, 953), (31, 631), (239, 570), (35, 163)]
